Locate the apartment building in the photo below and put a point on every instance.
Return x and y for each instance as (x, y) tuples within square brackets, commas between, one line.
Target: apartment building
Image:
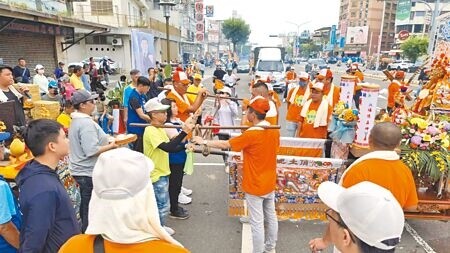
[(42, 32), (126, 17), (360, 24)]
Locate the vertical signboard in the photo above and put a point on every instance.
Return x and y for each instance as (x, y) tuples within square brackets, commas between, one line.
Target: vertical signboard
[(403, 10), (209, 11), (200, 21)]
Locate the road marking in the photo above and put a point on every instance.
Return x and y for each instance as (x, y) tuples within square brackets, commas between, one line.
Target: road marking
[(419, 239), (209, 164), (247, 242)]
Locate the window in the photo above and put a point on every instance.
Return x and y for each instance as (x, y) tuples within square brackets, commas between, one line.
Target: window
[(411, 15), (418, 28), (102, 7), (156, 5), (420, 13), (353, 14)]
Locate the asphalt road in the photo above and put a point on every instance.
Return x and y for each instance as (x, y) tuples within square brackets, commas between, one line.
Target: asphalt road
[(209, 229)]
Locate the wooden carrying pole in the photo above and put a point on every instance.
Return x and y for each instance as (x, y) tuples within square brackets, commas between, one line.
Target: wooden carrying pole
[(210, 96), (205, 127)]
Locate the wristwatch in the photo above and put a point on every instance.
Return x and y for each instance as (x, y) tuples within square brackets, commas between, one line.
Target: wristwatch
[(205, 142)]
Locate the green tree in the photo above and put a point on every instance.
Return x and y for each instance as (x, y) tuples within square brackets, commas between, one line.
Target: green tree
[(414, 47), (236, 30), (309, 48)]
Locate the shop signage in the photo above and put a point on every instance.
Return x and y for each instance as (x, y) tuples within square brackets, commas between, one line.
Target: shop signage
[(36, 27), (403, 35)]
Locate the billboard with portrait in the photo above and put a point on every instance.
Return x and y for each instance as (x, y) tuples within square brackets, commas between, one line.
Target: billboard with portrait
[(142, 51), (357, 35)]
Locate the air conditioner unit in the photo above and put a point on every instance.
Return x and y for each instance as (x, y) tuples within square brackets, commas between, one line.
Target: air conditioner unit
[(117, 42)]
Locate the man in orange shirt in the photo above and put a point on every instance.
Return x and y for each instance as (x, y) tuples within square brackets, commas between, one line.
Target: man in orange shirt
[(394, 90), (330, 91), (260, 88), (382, 167), (259, 147), (291, 77), (178, 94), (295, 100), (315, 114)]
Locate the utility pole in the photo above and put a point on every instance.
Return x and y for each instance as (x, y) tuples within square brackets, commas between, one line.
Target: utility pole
[(380, 37)]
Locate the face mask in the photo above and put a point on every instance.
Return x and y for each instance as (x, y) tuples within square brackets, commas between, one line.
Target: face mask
[(302, 83), (40, 71)]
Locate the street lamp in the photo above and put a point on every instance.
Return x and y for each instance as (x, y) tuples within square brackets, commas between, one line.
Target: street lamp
[(435, 13), (167, 4), (298, 34)]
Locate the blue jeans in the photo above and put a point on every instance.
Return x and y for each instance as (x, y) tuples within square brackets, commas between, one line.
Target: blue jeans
[(161, 188), (86, 187), (261, 209)]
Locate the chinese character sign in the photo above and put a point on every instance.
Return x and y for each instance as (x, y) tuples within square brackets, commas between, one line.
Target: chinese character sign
[(367, 110)]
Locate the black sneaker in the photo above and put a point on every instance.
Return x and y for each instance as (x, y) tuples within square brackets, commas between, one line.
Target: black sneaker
[(180, 214)]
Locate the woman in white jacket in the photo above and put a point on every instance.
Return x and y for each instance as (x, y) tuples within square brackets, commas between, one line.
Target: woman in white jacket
[(228, 110)]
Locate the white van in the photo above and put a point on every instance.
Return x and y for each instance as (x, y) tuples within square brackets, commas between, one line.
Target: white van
[(270, 63)]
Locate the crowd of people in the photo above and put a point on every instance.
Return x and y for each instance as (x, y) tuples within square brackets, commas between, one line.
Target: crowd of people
[(127, 193)]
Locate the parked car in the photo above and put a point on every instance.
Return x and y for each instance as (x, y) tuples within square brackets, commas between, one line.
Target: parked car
[(415, 66), (114, 65), (400, 65), (243, 67), (319, 62), (332, 60)]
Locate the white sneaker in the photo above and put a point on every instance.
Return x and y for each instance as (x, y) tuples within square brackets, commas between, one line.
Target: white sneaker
[(183, 199), (186, 191), (170, 231)]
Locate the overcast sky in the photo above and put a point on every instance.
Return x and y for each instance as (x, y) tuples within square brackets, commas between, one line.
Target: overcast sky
[(267, 17)]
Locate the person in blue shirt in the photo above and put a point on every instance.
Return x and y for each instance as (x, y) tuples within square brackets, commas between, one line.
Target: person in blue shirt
[(21, 73), (134, 74), (10, 218), (136, 113), (85, 78), (48, 215), (59, 71)]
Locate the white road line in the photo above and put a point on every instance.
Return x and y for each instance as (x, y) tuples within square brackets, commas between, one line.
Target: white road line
[(209, 164), (247, 242), (419, 239)]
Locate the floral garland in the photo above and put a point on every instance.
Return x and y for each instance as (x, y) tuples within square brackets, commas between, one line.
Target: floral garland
[(425, 147)]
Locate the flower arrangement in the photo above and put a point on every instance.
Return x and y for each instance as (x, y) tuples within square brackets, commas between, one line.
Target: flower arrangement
[(339, 107), (349, 115), (425, 148), (345, 122)]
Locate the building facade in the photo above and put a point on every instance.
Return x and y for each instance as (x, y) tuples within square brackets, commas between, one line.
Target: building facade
[(360, 26), (42, 32), (419, 21)]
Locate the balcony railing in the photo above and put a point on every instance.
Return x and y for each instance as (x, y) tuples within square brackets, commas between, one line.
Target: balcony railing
[(119, 20)]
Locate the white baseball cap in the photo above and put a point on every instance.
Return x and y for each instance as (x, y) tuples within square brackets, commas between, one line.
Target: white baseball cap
[(370, 211), (38, 66), (303, 75), (122, 197), (317, 86), (155, 105), (226, 90)]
